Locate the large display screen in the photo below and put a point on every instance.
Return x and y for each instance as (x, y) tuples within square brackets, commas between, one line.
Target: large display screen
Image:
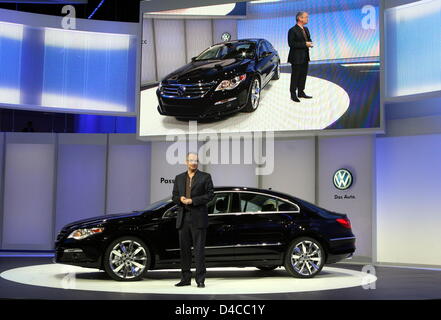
[(55, 69), (413, 66), (282, 66)]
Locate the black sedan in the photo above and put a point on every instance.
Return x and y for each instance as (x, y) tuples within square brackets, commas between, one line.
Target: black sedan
[(225, 78), (247, 227)]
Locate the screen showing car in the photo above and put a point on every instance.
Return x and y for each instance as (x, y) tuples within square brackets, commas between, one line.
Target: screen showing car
[(282, 66)]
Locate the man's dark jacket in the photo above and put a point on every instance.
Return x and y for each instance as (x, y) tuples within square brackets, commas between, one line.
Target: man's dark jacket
[(298, 51), (201, 193)]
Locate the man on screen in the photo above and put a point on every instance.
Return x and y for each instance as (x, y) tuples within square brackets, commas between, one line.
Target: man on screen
[(192, 190), (299, 41)]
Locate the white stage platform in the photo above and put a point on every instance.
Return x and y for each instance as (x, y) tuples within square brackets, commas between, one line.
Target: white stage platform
[(218, 281), (276, 112)]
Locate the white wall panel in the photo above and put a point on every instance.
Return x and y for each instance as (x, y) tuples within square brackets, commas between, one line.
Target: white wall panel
[(356, 154), (170, 45), (199, 36), (28, 197), (148, 63), (128, 180), (235, 164), (408, 199), (81, 177), (294, 168), (163, 172), (221, 26)]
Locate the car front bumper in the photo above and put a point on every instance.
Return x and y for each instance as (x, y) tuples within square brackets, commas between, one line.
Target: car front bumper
[(213, 104)]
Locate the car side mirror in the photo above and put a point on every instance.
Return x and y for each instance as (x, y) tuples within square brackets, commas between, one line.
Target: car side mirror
[(193, 58)]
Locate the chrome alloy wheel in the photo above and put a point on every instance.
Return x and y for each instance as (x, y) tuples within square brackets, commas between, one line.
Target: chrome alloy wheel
[(128, 259), (255, 94), (306, 258)]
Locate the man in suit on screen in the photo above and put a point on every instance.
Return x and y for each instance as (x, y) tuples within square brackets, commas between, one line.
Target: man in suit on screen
[(192, 190), (299, 41)]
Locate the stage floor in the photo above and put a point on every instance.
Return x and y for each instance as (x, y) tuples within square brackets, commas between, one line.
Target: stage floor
[(39, 278), (276, 111)]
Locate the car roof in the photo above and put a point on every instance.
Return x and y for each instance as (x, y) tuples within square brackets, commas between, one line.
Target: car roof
[(256, 40), (253, 189)]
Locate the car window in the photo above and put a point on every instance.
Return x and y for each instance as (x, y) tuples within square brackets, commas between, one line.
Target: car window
[(269, 46), (286, 206), (237, 50), (261, 49), (219, 204), (254, 202), (264, 47)]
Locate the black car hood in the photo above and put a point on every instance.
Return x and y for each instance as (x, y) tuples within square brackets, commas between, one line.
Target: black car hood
[(207, 70), (103, 218)]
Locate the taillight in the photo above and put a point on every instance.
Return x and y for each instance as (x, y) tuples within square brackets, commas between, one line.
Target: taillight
[(344, 222)]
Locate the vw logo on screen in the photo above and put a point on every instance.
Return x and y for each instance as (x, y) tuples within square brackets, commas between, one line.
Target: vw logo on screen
[(342, 179), (225, 36)]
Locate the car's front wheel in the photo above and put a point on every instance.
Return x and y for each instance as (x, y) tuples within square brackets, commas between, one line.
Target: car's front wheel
[(127, 259), (253, 96), (304, 258)]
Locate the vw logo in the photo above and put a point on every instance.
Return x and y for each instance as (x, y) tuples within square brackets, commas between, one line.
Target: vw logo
[(342, 179), (181, 90), (226, 36)]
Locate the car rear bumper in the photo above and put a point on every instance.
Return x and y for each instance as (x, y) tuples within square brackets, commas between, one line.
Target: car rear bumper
[(340, 248)]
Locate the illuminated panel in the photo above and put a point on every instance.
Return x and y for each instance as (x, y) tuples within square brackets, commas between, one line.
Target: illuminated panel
[(413, 48), (87, 71), (11, 36), (339, 34), (215, 10)]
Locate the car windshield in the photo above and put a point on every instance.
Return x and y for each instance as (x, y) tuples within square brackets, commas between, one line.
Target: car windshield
[(158, 204), (235, 50)]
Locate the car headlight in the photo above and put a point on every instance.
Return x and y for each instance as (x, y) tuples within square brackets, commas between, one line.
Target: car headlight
[(160, 86), (79, 234), (231, 84)]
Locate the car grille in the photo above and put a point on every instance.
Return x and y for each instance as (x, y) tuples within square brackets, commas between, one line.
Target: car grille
[(187, 90)]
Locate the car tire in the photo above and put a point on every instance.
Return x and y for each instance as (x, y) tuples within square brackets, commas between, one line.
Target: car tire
[(276, 75), (251, 104), (304, 258), (126, 266), (266, 268)]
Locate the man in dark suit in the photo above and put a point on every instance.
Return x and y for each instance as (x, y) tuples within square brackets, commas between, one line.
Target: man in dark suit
[(192, 190), (299, 41)]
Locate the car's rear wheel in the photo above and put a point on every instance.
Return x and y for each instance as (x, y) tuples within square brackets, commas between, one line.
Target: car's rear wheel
[(127, 259), (266, 268), (276, 75), (304, 258), (253, 96)]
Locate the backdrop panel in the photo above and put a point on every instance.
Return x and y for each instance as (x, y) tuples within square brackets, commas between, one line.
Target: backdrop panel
[(408, 199), (356, 154), (28, 191), (128, 174), (81, 177), (169, 45), (294, 168)]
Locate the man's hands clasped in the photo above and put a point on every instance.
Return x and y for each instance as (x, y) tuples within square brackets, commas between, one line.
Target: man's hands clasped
[(185, 200)]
